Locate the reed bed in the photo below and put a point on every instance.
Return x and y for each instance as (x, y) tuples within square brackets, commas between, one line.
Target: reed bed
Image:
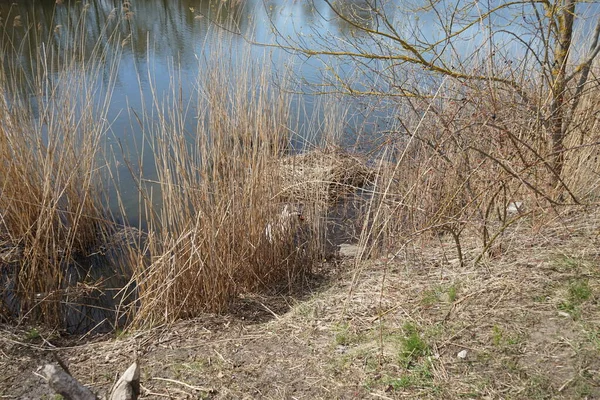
[(52, 214), (233, 208), (222, 225), (220, 220)]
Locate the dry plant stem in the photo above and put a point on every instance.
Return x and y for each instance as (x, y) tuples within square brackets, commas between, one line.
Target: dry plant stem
[(456, 237), (51, 197), (498, 234)]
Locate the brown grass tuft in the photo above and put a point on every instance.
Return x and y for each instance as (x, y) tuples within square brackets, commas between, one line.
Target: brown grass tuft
[(222, 227)]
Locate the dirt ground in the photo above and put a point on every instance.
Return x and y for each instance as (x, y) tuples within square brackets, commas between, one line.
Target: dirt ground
[(523, 323)]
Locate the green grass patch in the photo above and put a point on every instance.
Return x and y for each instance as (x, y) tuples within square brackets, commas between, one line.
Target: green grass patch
[(578, 292), (430, 297), (594, 338), (570, 309), (452, 293), (565, 263), (505, 339), (439, 294), (32, 334), (412, 345), (497, 335), (344, 335), (419, 377), (404, 382)]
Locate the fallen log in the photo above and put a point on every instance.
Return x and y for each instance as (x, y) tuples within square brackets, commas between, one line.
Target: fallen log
[(61, 381), (65, 385)]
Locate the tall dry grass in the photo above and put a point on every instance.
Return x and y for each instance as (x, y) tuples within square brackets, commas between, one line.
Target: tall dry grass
[(582, 164), (220, 222), (52, 125), (221, 218)]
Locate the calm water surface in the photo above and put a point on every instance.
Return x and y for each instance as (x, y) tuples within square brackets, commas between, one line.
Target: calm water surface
[(162, 38), (158, 40)]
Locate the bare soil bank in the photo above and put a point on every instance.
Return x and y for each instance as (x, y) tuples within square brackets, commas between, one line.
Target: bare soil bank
[(524, 325)]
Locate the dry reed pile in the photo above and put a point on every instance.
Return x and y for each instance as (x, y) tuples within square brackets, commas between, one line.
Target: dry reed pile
[(327, 173)]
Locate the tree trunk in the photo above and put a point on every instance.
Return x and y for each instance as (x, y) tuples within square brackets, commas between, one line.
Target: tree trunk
[(558, 125)]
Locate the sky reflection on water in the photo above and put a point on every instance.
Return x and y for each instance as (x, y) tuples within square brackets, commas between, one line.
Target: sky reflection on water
[(162, 39)]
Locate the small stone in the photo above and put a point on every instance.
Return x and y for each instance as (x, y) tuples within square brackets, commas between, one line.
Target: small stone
[(341, 349), (564, 314), (514, 207), (349, 250), (462, 354)]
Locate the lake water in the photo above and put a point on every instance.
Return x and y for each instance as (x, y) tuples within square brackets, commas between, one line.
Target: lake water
[(160, 39), (157, 40)]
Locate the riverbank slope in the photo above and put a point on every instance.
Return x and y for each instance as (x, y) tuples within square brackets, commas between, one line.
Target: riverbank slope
[(523, 323)]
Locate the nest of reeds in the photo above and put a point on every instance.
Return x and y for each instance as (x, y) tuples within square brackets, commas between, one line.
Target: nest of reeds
[(323, 175)]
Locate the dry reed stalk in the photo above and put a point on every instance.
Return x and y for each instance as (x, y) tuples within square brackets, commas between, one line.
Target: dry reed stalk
[(456, 162), (221, 227), (582, 168), (51, 199)]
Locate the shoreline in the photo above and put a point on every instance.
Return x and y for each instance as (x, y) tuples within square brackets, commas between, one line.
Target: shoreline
[(473, 322)]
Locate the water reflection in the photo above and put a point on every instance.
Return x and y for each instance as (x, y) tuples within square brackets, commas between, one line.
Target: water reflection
[(151, 34), (354, 15), (145, 42), (170, 28)]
